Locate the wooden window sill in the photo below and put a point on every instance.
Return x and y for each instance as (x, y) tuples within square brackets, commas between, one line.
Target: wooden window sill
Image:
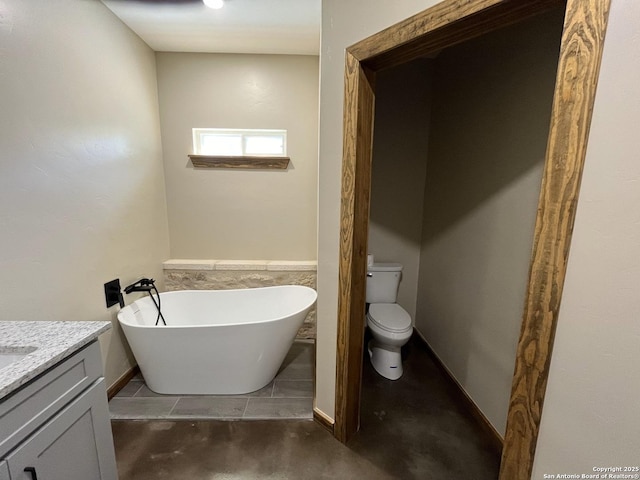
[(216, 161)]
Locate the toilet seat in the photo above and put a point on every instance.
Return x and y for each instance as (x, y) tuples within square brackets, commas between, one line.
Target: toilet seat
[(389, 317)]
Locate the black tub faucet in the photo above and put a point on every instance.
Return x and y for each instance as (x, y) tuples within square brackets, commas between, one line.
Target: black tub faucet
[(142, 285)]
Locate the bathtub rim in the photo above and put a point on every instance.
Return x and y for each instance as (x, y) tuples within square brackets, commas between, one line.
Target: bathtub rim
[(268, 320)]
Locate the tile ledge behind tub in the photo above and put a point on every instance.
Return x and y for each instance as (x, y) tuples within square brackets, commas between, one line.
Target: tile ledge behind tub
[(186, 274), (237, 265)]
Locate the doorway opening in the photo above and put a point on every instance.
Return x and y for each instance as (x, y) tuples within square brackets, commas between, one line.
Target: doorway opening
[(450, 23)]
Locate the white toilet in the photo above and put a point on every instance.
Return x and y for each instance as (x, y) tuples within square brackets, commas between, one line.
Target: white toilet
[(389, 323)]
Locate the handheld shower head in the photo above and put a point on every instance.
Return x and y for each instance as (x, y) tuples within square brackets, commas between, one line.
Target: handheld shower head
[(142, 285)]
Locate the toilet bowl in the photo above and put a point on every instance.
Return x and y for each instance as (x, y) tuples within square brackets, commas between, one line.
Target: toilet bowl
[(389, 323), (390, 326)]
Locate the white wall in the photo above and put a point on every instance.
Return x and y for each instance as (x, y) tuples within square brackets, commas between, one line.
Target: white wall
[(591, 416), (403, 108), (81, 182), (231, 213), (489, 127), (343, 24)]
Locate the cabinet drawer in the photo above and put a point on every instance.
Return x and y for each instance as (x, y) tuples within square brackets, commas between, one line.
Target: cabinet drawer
[(28, 408)]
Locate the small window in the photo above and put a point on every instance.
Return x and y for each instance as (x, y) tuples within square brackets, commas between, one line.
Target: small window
[(239, 143)]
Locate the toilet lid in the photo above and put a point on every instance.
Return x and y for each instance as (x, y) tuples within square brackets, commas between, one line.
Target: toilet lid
[(389, 316)]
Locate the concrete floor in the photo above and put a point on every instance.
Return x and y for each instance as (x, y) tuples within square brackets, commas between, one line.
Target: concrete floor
[(413, 428)]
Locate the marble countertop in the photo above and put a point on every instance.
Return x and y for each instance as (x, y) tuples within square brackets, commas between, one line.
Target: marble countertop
[(40, 345)]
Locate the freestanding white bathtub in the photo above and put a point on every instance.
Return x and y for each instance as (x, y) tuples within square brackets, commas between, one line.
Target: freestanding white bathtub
[(215, 341)]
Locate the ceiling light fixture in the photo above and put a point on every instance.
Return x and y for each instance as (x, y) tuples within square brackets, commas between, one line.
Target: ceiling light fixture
[(215, 4)]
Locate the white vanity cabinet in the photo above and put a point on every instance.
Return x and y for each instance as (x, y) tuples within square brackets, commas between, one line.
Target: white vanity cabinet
[(57, 426), (4, 471)]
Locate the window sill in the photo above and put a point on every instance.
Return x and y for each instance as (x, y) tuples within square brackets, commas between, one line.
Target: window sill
[(216, 161)]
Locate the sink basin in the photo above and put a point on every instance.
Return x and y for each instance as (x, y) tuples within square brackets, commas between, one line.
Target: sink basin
[(9, 355)]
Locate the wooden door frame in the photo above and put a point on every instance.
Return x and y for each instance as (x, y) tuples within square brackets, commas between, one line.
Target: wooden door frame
[(448, 23)]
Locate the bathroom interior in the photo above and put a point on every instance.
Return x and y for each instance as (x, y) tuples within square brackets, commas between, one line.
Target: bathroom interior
[(458, 152), (104, 189)]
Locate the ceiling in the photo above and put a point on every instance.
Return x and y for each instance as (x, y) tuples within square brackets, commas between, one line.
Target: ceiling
[(241, 26)]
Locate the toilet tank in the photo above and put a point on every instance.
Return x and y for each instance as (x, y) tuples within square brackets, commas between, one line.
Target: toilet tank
[(383, 280)]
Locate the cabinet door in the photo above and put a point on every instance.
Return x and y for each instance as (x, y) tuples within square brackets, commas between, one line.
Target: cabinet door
[(4, 471), (76, 444)]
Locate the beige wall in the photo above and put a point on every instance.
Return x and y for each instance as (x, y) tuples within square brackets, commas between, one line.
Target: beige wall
[(240, 214), (489, 127), (403, 107), (591, 416), (81, 182), (343, 23)]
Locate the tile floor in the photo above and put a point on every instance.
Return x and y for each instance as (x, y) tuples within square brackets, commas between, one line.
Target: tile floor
[(288, 396)]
